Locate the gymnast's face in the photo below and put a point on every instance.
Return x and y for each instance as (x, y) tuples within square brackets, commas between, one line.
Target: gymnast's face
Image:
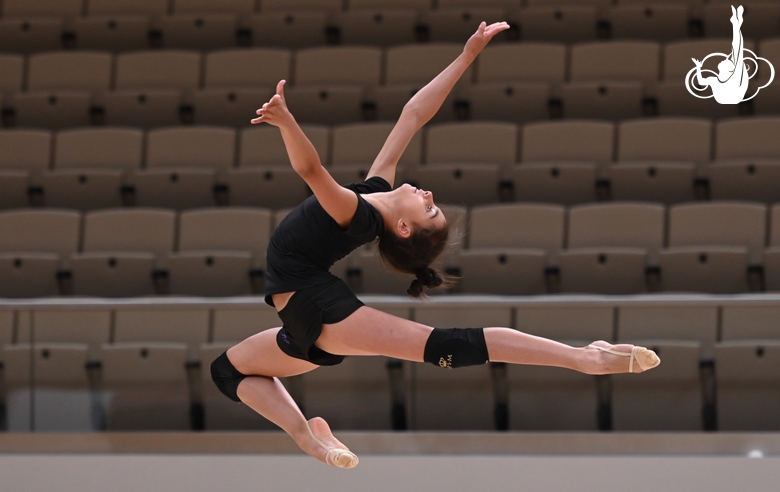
[(725, 69), (417, 209)]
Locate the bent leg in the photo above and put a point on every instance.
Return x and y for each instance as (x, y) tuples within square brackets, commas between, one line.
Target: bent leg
[(261, 359), (368, 331)]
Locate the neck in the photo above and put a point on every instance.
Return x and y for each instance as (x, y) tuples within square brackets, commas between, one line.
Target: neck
[(383, 203)]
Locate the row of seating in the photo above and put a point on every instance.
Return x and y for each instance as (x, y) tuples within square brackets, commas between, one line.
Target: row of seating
[(377, 27), (366, 393), (361, 65), (617, 248)]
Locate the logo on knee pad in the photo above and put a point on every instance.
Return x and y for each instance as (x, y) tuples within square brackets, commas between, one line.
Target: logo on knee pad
[(446, 363)]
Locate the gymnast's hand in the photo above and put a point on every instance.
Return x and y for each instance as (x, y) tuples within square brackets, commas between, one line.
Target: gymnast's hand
[(482, 37), (275, 111)]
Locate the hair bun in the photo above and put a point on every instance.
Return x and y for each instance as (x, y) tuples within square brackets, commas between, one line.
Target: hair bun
[(429, 277)]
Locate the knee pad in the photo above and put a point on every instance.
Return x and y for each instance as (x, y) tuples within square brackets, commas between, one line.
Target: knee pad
[(456, 347), (226, 376)]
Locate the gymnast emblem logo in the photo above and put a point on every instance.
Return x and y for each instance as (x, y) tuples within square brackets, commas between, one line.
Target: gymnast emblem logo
[(730, 84)]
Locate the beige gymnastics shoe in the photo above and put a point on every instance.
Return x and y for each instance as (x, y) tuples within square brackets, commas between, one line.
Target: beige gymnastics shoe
[(645, 358), (338, 457)]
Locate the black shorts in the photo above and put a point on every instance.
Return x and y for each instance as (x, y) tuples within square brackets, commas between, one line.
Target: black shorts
[(304, 315)]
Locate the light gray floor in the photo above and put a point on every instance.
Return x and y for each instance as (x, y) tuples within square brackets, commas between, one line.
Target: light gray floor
[(377, 473)]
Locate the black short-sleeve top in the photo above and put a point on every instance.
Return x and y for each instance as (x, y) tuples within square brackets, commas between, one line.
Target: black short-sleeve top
[(308, 241)]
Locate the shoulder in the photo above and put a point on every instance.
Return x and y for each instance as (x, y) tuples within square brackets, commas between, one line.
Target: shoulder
[(375, 184)]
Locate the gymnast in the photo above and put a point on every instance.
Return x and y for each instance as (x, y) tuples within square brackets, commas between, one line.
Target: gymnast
[(323, 320)]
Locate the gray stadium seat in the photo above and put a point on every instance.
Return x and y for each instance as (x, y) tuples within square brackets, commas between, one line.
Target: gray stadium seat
[(713, 269), (198, 6), (616, 60), (747, 376), (410, 4), (505, 271), (130, 230), (750, 323), (225, 229), (52, 109), (558, 23), (289, 29), (668, 398), (326, 105), (58, 398), (31, 35), (256, 67), (42, 231), (481, 142), (669, 322), (144, 108), (602, 100), (754, 180), (415, 64), (718, 223), (338, 65), (147, 7), (376, 277), (674, 100), (11, 72), (459, 184), (605, 270), (211, 31), (228, 107), (112, 274), (517, 226), (90, 326), (774, 226), (377, 27), (637, 225), (145, 386), (22, 8), (28, 274), (182, 325), (263, 145), (744, 137), (71, 70), (455, 24), (568, 140), (660, 22), (329, 5), (532, 62), (566, 183), (360, 144), (665, 139), (666, 182), (507, 101), (266, 186), (112, 32), (207, 273), (161, 69), (26, 154), (14, 188)]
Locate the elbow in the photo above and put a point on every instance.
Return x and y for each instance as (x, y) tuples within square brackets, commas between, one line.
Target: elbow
[(411, 112)]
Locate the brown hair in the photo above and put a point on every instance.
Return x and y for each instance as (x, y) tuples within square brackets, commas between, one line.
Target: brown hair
[(415, 254)]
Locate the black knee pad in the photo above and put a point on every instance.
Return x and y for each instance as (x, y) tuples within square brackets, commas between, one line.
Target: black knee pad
[(456, 347), (226, 376)]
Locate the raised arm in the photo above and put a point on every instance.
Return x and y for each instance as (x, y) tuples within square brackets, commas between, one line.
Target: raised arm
[(424, 105), (339, 202)]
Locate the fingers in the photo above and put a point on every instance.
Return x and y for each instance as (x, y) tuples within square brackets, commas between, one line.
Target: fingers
[(280, 88)]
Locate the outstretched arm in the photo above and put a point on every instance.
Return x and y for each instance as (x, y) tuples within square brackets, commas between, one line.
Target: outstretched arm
[(339, 202), (423, 105), (701, 80)]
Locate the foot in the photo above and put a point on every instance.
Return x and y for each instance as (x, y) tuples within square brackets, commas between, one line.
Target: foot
[(328, 448), (616, 359)]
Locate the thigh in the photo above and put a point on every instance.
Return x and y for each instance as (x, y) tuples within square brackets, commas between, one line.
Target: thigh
[(259, 355), (368, 331)]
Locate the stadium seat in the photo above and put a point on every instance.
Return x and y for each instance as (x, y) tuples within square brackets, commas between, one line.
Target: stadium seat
[(329, 5), (11, 73), (146, 7), (666, 182), (673, 99), (407, 4), (774, 226), (233, 324), (91, 326), (263, 145), (510, 102), (143, 108), (145, 386), (602, 100), (52, 109), (58, 398), (483, 142), (637, 225), (259, 68), (354, 395), (670, 322), (763, 19), (162, 69), (665, 139), (568, 140), (352, 65), (144, 230), (616, 60), (326, 105), (292, 29), (747, 378), (531, 62), (771, 264), (199, 31), (517, 226), (23, 8), (566, 183), (14, 189), (89, 165), (660, 22), (712, 269), (219, 411), (31, 35), (389, 101), (112, 274), (668, 398), (225, 229), (559, 23), (377, 27), (361, 143), (269, 186), (228, 107), (203, 273), (566, 322), (6, 327), (75, 70), (40, 231), (25, 153), (552, 398), (504, 271), (457, 24), (114, 33), (604, 270), (753, 180), (749, 323), (198, 6), (447, 4), (718, 223), (751, 138), (185, 325), (24, 275), (376, 277), (419, 64), (459, 184)]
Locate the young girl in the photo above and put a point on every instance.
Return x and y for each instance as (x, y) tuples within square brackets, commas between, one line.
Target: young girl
[(324, 321)]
